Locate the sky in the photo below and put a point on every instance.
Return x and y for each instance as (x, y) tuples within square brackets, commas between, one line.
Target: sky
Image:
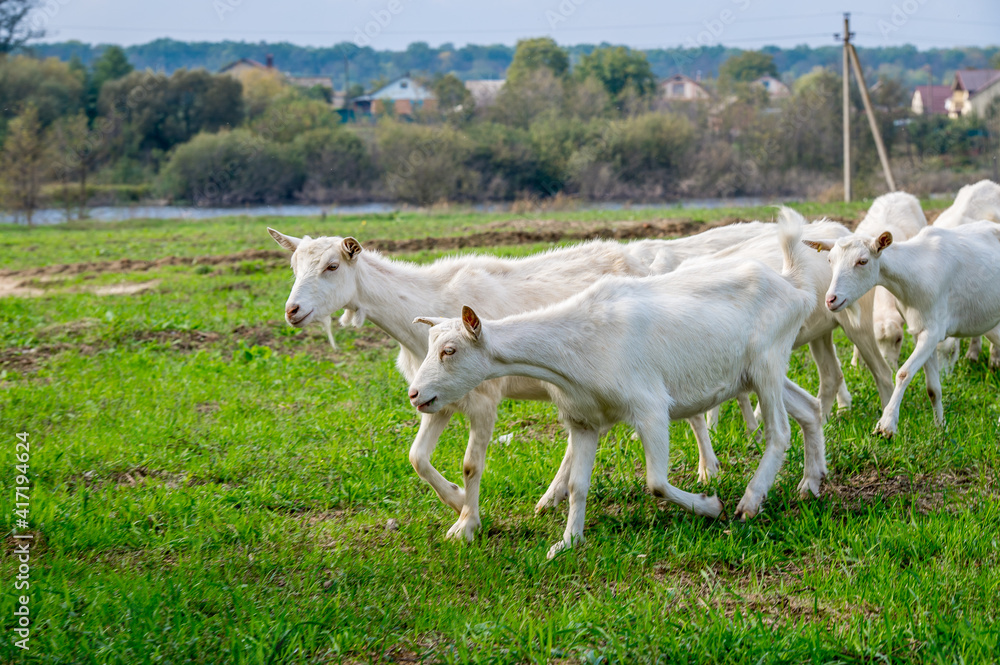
[(393, 24)]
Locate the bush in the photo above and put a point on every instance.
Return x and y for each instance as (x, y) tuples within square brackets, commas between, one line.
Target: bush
[(423, 165), (508, 162), (290, 117), (232, 168), (639, 156), (337, 165)]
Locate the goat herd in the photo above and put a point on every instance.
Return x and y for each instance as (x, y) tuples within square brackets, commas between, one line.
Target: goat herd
[(654, 330)]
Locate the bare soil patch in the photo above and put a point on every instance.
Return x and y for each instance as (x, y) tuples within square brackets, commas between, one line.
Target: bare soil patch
[(140, 265), (39, 285), (514, 232), (24, 360), (125, 288), (777, 594), (928, 492)]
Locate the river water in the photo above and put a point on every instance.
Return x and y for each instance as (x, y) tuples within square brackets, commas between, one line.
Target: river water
[(49, 216)]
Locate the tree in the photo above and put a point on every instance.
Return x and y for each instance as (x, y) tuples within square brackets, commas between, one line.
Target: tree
[(290, 117), (155, 113), (619, 70), (534, 54), (453, 99), (536, 92), (15, 28), (51, 86), (22, 162), (76, 152), (260, 88), (111, 66), (746, 68)]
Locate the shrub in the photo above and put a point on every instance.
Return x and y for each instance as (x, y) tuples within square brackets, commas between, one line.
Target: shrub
[(232, 168), (291, 117), (337, 165), (639, 156), (423, 165), (508, 162)]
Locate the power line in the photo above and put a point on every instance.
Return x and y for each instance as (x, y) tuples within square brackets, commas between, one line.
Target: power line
[(929, 19), (569, 28)]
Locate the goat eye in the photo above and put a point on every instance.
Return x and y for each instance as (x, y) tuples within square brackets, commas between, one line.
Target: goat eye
[(447, 351), (332, 267), (862, 262)]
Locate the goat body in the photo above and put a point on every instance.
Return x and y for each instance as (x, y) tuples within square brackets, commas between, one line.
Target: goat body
[(900, 214), (975, 202), (643, 351), (947, 284)]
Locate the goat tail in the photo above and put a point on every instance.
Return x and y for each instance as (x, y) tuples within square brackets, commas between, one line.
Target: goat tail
[(790, 225)]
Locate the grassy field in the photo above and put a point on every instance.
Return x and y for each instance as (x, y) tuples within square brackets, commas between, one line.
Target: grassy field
[(212, 486)]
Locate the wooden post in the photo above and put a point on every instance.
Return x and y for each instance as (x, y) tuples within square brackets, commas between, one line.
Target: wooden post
[(872, 122), (847, 110)]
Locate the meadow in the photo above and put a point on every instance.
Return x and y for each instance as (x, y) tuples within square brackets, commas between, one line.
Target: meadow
[(209, 485)]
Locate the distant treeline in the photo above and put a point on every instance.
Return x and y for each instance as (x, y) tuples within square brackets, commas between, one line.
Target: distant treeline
[(594, 129), (905, 63)]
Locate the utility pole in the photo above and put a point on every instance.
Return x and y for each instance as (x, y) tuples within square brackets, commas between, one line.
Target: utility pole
[(847, 108), (872, 122), (851, 58), (347, 77)]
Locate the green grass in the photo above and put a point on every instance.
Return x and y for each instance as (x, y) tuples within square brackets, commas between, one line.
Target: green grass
[(145, 239), (211, 486)]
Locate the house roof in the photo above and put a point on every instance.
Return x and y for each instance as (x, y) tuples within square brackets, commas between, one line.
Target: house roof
[(933, 97), (974, 80), (681, 78), (243, 61), (402, 88), (775, 87), (678, 77), (310, 81)]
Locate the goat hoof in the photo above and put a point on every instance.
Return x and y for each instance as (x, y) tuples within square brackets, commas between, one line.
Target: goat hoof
[(809, 487), (707, 471), (557, 548), (882, 431), (464, 529), (550, 500), (749, 506)]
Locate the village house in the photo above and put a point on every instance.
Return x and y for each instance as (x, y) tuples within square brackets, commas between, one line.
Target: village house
[(680, 87), (241, 67), (930, 99), (404, 96), (774, 87), (973, 91)]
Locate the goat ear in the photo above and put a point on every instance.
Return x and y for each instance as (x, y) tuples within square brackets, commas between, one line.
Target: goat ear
[(471, 322), (429, 320), (883, 241), (288, 242), (819, 245), (351, 248)]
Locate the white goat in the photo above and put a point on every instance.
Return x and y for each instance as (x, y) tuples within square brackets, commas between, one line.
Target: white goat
[(759, 240), (336, 273), (900, 214), (817, 330), (644, 351), (946, 281), (974, 202)]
